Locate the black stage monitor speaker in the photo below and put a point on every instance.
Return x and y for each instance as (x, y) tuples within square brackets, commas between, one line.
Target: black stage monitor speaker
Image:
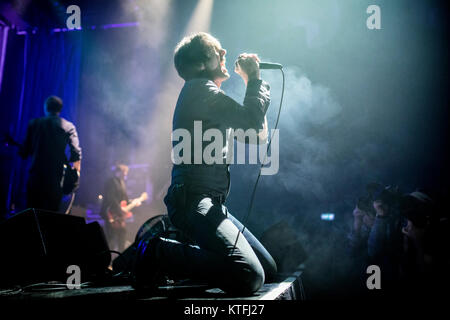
[(37, 245), (283, 244)]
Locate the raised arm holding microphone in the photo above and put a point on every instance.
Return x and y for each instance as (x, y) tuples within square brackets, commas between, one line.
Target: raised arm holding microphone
[(195, 200)]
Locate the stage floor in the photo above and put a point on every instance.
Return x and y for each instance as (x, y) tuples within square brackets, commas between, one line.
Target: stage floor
[(288, 287)]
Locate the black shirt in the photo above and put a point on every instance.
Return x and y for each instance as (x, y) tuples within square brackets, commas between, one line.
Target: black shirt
[(46, 141), (114, 193), (201, 100)]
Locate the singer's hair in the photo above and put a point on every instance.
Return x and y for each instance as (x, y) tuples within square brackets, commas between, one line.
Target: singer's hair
[(121, 167), (53, 104), (192, 54)]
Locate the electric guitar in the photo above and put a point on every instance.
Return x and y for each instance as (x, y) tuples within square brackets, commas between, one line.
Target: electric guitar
[(119, 221)]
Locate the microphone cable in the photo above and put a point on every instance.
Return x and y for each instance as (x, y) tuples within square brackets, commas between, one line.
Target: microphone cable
[(252, 198)]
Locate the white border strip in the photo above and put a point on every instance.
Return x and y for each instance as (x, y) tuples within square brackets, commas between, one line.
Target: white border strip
[(281, 288)]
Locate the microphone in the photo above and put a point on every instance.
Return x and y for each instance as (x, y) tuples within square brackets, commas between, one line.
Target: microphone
[(269, 65)]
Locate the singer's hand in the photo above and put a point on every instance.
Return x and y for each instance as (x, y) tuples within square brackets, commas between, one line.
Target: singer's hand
[(247, 66)]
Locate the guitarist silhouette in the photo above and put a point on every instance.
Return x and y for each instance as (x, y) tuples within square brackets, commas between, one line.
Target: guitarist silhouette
[(45, 144), (116, 207)]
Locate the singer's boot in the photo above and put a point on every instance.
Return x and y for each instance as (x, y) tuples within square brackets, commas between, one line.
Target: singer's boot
[(147, 274)]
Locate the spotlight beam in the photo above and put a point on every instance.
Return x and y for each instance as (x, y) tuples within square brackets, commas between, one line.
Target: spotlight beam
[(161, 119)]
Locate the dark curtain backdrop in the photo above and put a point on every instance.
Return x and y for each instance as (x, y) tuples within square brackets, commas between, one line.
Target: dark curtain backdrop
[(36, 66)]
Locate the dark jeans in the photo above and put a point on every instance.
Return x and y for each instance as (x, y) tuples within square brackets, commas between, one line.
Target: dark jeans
[(44, 193), (207, 222), (116, 236)]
